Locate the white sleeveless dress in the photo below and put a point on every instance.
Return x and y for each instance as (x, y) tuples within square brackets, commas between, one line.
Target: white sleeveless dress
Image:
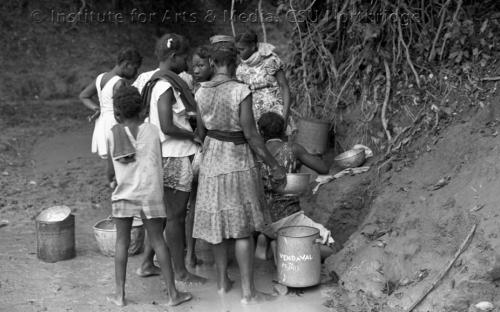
[(106, 119)]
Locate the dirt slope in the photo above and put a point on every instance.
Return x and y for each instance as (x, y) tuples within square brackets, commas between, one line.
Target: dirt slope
[(414, 225)]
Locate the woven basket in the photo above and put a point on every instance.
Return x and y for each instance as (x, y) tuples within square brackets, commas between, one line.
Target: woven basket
[(105, 235)]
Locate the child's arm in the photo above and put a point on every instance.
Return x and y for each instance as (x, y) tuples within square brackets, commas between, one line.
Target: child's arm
[(285, 93), (86, 96), (309, 160), (165, 114), (111, 168), (120, 83), (200, 127), (255, 141)]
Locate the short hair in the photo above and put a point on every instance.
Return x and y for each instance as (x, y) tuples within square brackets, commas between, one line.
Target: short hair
[(202, 51), (223, 53), (271, 125), (247, 38), (170, 43), (130, 55), (127, 102)]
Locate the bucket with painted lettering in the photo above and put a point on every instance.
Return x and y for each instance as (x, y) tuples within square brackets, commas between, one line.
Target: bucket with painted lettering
[(298, 256)]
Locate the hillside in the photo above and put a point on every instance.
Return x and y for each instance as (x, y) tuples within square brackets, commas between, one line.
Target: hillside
[(396, 226)]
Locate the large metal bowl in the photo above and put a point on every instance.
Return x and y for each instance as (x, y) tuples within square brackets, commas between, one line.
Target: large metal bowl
[(296, 184), (351, 159)]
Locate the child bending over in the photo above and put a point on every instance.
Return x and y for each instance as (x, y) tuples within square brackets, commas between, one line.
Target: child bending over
[(136, 164), (285, 210)]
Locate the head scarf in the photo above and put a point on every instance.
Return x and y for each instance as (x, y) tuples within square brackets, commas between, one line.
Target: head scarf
[(221, 38)]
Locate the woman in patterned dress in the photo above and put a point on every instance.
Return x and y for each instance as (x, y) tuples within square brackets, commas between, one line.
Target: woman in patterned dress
[(263, 71), (230, 191)]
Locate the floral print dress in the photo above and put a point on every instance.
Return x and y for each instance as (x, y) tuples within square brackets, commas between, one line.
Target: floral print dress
[(258, 71), (230, 198), (280, 206)]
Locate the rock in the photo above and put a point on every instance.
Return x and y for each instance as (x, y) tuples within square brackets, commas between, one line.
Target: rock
[(484, 306), (281, 290), (405, 281), (365, 273), (4, 223), (369, 230), (5, 173)]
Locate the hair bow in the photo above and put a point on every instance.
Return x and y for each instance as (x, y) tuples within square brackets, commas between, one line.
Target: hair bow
[(169, 42)]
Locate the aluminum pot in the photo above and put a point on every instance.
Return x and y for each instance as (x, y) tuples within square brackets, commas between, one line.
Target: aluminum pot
[(296, 184), (350, 159)]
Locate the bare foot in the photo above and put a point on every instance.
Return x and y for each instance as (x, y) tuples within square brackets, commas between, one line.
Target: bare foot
[(257, 298), (117, 299), (181, 297), (190, 280), (223, 287), (149, 271)]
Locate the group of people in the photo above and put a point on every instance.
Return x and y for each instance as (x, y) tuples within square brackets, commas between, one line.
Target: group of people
[(202, 154)]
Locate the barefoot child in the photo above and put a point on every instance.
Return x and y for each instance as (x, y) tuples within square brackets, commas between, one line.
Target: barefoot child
[(105, 86), (202, 71), (138, 191), (285, 210), (169, 100)]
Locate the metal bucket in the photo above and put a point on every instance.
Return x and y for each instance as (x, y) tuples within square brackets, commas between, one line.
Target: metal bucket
[(313, 135), (299, 260), (55, 234)]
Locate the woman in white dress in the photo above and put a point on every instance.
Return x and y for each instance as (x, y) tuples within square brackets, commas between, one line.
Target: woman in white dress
[(105, 86)]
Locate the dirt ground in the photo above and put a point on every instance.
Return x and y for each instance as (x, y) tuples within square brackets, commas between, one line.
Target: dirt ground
[(396, 230), (46, 161)]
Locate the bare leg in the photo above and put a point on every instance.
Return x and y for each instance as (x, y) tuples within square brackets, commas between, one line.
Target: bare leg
[(154, 228), (191, 260), (262, 246), (279, 289), (244, 250), (148, 268), (176, 202), (123, 228), (224, 284), (273, 250)]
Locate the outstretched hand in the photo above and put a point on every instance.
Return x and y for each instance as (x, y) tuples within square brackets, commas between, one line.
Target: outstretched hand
[(327, 239)]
